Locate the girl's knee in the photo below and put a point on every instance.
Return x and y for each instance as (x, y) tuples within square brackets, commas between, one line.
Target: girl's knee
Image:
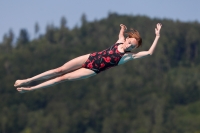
[(59, 70), (61, 79)]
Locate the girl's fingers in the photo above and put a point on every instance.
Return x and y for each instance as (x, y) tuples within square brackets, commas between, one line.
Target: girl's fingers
[(123, 26)]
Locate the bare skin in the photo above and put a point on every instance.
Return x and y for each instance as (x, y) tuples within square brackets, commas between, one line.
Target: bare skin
[(67, 67), (69, 71), (72, 70)]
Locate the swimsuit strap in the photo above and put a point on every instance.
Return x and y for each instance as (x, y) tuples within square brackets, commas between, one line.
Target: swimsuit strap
[(119, 43)]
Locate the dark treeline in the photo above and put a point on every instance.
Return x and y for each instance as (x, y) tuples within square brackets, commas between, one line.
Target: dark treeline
[(157, 94)]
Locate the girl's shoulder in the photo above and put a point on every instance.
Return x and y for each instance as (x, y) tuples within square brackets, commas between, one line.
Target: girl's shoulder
[(120, 41)]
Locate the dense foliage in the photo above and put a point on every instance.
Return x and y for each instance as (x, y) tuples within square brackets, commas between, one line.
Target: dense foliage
[(157, 94)]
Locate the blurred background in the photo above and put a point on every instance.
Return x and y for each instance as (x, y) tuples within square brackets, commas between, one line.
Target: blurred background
[(158, 94)]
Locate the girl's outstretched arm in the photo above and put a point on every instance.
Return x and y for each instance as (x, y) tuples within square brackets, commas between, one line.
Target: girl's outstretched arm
[(153, 46), (121, 33)]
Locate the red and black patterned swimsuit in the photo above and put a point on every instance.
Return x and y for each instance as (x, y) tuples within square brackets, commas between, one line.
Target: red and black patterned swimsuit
[(100, 61)]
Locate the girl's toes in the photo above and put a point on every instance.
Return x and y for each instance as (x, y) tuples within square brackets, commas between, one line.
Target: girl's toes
[(20, 83), (23, 89), (16, 83)]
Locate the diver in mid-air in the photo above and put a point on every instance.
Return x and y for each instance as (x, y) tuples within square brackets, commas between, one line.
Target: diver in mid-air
[(91, 64)]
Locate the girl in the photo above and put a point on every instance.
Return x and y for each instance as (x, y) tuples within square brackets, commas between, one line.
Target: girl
[(91, 64)]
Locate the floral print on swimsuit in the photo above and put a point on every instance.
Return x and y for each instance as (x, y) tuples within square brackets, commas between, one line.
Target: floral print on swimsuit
[(100, 61)]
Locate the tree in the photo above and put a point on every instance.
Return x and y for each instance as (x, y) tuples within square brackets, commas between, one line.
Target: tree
[(23, 38), (63, 23), (83, 19), (50, 32), (8, 41), (37, 28)]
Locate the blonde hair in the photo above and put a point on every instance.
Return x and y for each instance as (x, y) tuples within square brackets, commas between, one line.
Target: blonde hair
[(135, 34)]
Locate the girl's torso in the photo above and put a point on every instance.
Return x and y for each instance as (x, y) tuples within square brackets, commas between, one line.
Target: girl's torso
[(100, 61)]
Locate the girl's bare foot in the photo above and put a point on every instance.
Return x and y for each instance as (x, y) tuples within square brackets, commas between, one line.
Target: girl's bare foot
[(20, 83), (23, 89)]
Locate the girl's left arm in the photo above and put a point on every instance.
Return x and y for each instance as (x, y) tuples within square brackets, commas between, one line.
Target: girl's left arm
[(153, 46)]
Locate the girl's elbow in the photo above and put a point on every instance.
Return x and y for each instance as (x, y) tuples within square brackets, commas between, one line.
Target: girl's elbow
[(150, 53)]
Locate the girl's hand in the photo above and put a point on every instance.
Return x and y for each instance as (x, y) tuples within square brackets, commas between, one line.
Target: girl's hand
[(157, 29), (123, 26)]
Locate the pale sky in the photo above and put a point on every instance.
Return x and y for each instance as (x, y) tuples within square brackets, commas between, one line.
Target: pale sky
[(23, 14)]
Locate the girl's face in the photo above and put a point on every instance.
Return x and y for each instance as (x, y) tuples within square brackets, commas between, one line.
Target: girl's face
[(130, 43)]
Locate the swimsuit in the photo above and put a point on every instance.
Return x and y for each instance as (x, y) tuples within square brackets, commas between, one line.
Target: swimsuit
[(100, 61)]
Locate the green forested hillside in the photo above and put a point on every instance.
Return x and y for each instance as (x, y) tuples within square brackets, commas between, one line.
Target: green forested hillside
[(157, 94)]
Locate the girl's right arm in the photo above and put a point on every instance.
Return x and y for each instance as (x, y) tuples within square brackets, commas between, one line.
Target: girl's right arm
[(121, 33)]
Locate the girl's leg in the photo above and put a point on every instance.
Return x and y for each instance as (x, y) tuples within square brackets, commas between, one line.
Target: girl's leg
[(81, 73), (71, 65)]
